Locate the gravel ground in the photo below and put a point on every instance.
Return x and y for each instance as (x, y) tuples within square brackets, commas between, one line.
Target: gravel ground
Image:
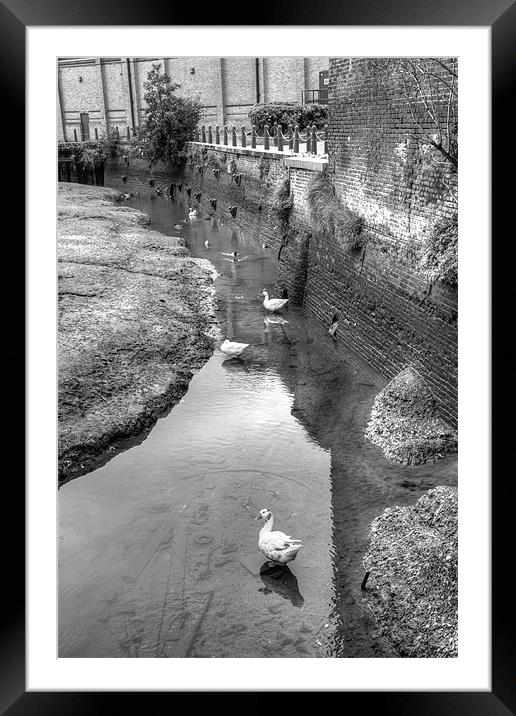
[(135, 320), (405, 422), (412, 587)]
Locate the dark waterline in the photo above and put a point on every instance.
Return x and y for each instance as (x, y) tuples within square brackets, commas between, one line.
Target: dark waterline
[(158, 548)]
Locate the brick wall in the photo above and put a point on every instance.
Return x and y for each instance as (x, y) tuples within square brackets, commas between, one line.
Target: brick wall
[(389, 315), (227, 86), (382, 171)]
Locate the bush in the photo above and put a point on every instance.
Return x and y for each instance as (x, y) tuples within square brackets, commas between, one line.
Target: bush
[(438, 255), (285, 114), (169, 122), (90, 155)]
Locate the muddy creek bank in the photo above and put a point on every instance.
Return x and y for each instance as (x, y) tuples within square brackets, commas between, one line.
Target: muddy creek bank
[(158, 548), (134, 323)]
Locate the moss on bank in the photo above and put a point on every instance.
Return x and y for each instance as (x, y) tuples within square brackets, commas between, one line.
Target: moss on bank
[(134, 321), (412, 587)]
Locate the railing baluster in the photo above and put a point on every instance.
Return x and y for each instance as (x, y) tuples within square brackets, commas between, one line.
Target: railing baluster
[(290, 137), (210, 135), (296, 140), (217, 135), (266, 137), (234, 136), (325, 148), (244, 143), (226, 143), (314, 139), (279, 140), (275, 135), (74, 134), (253, 136)]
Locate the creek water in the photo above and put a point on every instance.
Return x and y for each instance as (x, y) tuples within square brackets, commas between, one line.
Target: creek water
[(158, 553)]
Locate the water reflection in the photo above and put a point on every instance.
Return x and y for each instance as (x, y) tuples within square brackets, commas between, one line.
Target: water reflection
[(280, 580), (159, 557)]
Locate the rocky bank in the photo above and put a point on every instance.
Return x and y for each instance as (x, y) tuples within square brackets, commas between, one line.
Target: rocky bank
[(134, 321), (412, 566)]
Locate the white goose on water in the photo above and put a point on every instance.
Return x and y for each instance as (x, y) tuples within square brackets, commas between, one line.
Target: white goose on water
[(273, 304), (191, 212), (276, 546), (232, 348)]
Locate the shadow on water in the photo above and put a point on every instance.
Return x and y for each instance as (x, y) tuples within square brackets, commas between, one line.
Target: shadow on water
[(280, 580), (158, 548)]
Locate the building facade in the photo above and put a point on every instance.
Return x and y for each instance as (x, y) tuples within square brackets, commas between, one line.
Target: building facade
[(104, 93)]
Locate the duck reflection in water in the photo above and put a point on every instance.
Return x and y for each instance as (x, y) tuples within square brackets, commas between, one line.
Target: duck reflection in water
[(282, 581), (274, 321)]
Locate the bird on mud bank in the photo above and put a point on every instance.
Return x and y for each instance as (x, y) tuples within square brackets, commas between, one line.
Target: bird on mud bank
[(232, 348), (278, 547), (206, 244), (273, 304)]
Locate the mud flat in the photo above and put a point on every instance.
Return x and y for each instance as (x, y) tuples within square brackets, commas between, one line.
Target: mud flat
[(135, 320), (412, 567)]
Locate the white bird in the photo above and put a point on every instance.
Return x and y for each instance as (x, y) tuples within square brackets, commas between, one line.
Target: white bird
[(333, 328), (177, 226), (273, 304), (207, 244), (232, 348), (191, 212), (276, 546)]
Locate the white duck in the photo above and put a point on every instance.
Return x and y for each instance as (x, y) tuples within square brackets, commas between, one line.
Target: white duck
[(273, 304), (191, 212), (276, 546), (232, 348), (207, 244)]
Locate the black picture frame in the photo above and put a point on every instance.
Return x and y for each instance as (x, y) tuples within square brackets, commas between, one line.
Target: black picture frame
[(15, 16)]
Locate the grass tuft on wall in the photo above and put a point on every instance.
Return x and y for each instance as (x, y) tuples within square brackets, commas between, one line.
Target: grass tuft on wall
[(439, 252), (329, 216), (282, 202)]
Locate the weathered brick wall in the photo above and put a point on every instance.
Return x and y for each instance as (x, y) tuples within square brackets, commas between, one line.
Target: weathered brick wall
[(382, 167), (383, 173), (389, 315), (137, 174)]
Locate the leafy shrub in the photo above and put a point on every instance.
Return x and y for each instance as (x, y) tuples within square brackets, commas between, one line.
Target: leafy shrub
[(439, 252), (285, 114), (169, 121), (90, 155), (329, 216)]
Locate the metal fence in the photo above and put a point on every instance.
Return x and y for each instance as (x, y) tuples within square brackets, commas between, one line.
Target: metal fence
[(294, 140)]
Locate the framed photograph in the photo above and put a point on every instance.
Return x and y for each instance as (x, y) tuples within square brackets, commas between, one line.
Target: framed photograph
[(271, 384)]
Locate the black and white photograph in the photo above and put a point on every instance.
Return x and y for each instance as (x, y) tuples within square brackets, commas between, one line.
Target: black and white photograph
[(257, 356), (258, 335)]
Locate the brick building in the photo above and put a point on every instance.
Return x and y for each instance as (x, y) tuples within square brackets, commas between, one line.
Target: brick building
[(107, 92)]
